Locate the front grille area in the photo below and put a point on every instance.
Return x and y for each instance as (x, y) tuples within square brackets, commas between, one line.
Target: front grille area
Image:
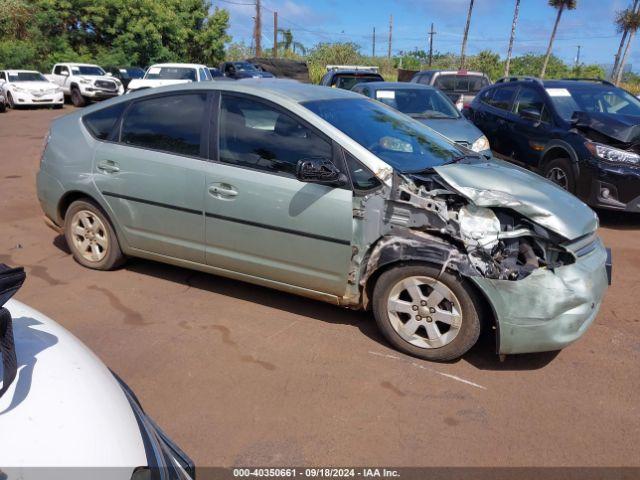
[(584, 245), (106, 85)]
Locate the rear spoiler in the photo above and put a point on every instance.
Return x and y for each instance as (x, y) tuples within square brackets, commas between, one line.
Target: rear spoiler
[(11, 279)]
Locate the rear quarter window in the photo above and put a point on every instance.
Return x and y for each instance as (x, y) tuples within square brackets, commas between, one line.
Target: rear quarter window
[(102, 122)]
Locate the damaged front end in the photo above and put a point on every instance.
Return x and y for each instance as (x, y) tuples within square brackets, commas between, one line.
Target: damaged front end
[(517, 251)]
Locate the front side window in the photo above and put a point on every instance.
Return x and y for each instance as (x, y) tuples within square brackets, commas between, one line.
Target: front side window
[(593, 99), (502, 97), (171, 123), (101, 123), (171, 73), (530, 99), (255, 135), (361, 177), (61, 70), (405, 144)]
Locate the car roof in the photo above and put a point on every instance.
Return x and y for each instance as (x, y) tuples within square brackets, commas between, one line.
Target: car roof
[(22, 71), (398, 86), (362, 73), (454, 72), (570, 83), (79, 64), (179, 65)]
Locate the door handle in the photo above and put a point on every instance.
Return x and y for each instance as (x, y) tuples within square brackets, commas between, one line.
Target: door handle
[(223, 190), (108, 167)]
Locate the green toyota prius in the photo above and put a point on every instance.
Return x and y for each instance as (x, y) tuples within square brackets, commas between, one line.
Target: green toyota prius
[(325, 193)]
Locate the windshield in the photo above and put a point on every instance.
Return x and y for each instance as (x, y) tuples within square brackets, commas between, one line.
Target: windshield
[(90, 71), (405, 144), (419, 102), (245, 67), (171, 73), (26, 77), (593, 99), (471, 84), (349, 81)]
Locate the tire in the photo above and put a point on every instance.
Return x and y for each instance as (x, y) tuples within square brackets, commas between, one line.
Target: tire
[(3, 107), (10, 101), (76, 98), (454, 317), (560, 172), (91, 236)]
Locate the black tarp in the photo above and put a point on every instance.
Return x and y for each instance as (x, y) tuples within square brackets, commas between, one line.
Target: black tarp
[(284, 68)]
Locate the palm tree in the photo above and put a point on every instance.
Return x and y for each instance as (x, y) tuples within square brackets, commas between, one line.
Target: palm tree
[(466, 34), (289, 44), (559, 5), (631, 21), (513, 36), (619, 21)]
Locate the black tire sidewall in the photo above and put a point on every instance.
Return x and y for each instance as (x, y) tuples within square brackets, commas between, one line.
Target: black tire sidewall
[(469, 330), (76, 98), (114, 257), (10, 102), (567, 168)]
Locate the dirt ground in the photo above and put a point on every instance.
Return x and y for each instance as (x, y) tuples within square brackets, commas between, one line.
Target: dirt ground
[(242, 375)]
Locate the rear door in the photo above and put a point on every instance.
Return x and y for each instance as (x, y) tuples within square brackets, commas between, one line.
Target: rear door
[(262, 221), (152, 175), (529, 137)]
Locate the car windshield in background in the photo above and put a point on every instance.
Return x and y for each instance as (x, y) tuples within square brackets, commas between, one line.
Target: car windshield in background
[(405, 144), (593, 99), (347, 82), (91, 71), (26, 77), (461, 83), (245, 67), (171, 73), (419, 103), (132, 72)]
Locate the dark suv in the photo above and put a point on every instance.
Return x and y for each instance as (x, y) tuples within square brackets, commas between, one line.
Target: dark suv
[(583, 135)]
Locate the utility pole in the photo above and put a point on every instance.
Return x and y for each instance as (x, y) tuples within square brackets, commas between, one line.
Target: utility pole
[(257, 30), (466, 35), (390, 35), (431, 34), (373, 49), (578, 56), (275, 34), (516, 12)]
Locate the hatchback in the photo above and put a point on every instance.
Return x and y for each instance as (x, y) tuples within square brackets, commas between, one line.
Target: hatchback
[(328, 194)]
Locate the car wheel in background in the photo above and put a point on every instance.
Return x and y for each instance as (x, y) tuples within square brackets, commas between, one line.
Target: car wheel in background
[(91, 237), (3, 107), (426, 313), (560, 172), (10, 100), (76, 98)]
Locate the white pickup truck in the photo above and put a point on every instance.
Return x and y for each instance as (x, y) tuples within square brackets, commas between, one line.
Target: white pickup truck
[(163, 74), (84, 82)]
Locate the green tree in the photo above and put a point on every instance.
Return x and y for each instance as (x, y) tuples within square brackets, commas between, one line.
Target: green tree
[(629, 20), (559, 5)]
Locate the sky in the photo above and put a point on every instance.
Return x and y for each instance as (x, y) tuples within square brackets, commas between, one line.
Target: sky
[(312, 21)]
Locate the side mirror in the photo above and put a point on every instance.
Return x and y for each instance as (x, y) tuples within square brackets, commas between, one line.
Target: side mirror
[(320, 170), (531, 114), (109, 74), (64, 73)]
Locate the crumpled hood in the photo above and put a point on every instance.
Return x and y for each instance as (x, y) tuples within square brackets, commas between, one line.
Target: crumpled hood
[(500, 184), (151, 83), (623, 128), (456, 129)]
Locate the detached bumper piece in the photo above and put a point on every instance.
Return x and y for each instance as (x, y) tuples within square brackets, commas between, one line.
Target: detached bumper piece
[(609, 265)]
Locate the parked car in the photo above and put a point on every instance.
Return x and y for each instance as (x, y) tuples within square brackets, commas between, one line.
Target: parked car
[(29, 88), (238, 70), (460, 86), (163, 74), (215, 72), (347, 76), (125, 74), (84, 82), (69, 415), (328, 194), (429, 106), (582, 135), (3, 102)]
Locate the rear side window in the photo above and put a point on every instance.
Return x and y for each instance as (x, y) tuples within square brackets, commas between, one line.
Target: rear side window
[(171, 123), (102, 122), (502, 97)]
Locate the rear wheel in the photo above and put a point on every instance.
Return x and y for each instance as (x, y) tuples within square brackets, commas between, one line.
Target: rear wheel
[(76, 98), (560, 172), (425, 313), (91, 237)]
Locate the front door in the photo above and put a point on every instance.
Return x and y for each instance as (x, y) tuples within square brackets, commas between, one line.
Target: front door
[(262, 221), (530, 137), (154, 176)]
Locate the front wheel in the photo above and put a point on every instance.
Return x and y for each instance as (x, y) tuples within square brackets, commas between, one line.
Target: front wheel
[(425, 313), (560, 172), (77, 99), (12, 104)]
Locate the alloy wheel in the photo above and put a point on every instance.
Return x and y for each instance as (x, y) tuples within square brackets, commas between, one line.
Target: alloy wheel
[(559, 177), (89, 236), (424, 312)]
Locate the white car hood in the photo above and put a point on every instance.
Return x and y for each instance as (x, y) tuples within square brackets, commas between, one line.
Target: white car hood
[(65, 408), (35, 86), (152, 83)]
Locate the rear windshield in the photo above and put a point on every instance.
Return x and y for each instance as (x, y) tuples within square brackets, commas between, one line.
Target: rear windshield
[(461, 83), (171, 73), (26, 77), (419, 102), (593, 99), (348, 81), (131, 72), (405, 144)]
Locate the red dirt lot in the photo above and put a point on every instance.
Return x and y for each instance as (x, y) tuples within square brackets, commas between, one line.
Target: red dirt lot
[(242, 375)]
